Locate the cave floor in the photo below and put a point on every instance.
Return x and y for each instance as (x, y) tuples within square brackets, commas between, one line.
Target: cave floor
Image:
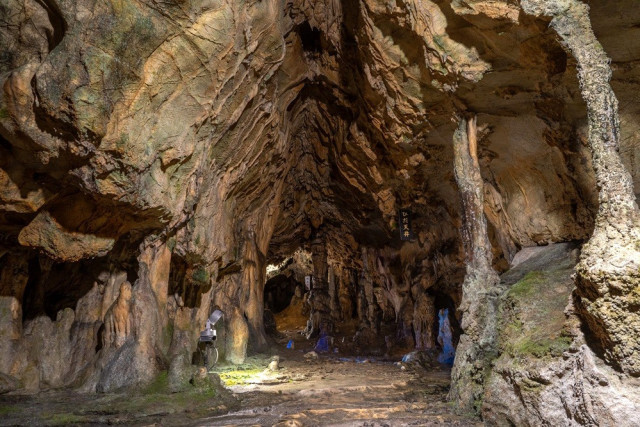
[(330, 390), (340, 391)]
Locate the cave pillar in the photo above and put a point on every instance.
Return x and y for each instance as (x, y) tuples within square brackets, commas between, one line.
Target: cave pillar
[(334, 282), (149, 295), (253, 280), (371, 306), (237, 337), (608, 273), (135, 344), (479, 289), (346, 294), (424, 318), (157, 258), (321, 323), (226, 294)]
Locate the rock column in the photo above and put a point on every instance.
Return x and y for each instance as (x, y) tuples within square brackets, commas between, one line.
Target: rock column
[(608, 274), (321, 323), (479, 289), (253, 279)]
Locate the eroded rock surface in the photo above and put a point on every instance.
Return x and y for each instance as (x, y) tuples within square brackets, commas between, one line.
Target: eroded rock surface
[(179, 148), (546, 372)]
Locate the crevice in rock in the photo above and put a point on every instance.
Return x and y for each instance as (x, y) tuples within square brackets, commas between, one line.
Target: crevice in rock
[(57, 22)]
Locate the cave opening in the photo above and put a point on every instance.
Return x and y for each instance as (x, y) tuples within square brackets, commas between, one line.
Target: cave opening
[(278, 292), (445, 338)]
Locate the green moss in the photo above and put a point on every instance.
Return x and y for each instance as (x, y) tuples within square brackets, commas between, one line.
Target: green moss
[(7, 409), (541, 347), (477, 405), (159, 385), (527, 285), (4, 114), (143, 27), (65, 419), (123, 141), (167, 333), (171, 243), (239, 377), (530, 385), (200, 275)]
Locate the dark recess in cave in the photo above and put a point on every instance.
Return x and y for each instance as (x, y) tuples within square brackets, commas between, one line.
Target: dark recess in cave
[(278, 292), (444, 301), (54, 288), (183, 283), (311, 38)]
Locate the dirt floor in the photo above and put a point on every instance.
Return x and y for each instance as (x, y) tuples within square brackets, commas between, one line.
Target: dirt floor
[(340, 392), (330, 389)]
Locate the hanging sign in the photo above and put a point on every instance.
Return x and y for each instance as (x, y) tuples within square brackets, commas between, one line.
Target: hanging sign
[(404, 219)]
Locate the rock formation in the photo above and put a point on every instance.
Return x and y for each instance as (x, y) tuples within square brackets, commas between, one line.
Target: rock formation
[(477, 347), (157, 157), (609, 272)]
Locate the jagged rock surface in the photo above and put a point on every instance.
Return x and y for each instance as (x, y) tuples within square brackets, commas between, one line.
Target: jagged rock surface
[(180, 147), (546, 373)]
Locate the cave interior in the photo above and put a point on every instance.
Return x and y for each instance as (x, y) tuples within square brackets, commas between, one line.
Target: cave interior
[(447, 183)]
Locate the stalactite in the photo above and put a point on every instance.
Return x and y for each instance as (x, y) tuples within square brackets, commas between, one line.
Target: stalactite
[(479, 289)]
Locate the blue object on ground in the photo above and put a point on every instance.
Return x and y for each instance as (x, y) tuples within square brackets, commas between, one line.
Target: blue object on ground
[(290, 344)]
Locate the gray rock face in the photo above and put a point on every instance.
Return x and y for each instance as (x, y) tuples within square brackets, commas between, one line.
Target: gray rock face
[(545, 373), (8, 383)]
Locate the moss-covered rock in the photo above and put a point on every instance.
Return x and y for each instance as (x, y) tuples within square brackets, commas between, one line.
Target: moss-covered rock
[(545, 374)]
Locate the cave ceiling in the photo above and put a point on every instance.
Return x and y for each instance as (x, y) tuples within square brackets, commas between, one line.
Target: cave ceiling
[(199, 121)]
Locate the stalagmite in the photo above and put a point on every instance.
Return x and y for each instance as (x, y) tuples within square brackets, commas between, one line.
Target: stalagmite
[(608, 274), (479, 289)]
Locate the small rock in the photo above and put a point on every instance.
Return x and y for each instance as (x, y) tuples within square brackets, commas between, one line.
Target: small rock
[(274, 365), (289, 423), (311, 355), (201, 373), (203, 379)]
